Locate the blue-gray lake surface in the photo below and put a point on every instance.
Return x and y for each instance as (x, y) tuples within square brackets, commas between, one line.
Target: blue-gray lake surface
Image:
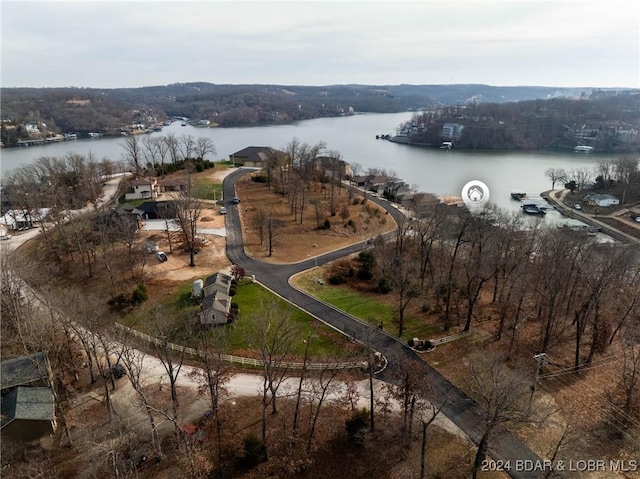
[(442, 172)]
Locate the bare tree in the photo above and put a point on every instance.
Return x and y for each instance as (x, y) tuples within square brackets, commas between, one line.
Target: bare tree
[(188, 209), (213, 374), (172, 361), (503, 394), (356, 170), (319, 208), (133, 361), (203, 147), (272, 336), (187, 145), (630, 376), (173, 147), (149, 150), (410, 393), (556, 175), (401, 274), (132, 154), (605, 169), (322, 384), (428, 415), (581, 176), (272, 229)]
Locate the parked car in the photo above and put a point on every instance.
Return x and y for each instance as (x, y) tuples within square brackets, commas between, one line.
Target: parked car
[(118, 371), (637, 219), (223, 210), (577, 206), (5, 237), (235, 200), (162, 256)]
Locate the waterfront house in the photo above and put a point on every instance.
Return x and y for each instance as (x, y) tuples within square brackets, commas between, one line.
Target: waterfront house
[(452, 130), (597, 199), (28, 405), (378, 183), (360, 181), (257, 156), (142, 189), (216, 301)]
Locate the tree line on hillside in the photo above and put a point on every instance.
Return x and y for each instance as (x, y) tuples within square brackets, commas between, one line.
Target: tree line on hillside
[(85, 110), (621, 173), (606, 123)]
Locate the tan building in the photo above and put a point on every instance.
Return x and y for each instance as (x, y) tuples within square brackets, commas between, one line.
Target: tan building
[(257, 156)]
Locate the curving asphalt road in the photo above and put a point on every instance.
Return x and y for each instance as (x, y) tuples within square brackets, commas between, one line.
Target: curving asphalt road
[(459, 408)]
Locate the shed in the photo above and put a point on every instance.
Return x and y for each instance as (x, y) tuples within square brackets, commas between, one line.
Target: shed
[(28, 413)]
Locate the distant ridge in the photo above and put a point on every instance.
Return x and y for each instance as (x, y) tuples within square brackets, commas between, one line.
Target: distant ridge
[(84, 110)]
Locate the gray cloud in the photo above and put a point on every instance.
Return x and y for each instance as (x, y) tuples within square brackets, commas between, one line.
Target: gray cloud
[(117, 44)]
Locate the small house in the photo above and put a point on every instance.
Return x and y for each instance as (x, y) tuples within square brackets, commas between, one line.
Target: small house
[(142, 189), (27, 405), (216, 302), (597, 199), (175, 183)]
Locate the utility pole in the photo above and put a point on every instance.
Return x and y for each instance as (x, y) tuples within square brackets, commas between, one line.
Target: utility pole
[(541, 360)]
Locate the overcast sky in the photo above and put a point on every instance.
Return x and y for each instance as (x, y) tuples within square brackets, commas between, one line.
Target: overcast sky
[(128, 44)]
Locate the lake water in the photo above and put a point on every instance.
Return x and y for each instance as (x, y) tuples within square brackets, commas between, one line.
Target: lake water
[(432, 170)]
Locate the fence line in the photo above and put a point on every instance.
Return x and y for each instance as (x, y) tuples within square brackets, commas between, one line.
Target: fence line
[(452, 337), (242, 360)]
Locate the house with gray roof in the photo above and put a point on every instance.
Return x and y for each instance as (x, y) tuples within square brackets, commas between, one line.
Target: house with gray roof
[(216, 302), (27, 404), (597, 199), (28, 413), (257, 156)]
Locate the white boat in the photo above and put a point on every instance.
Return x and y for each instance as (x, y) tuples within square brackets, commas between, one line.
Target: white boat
[(446, 145), (583, 149)]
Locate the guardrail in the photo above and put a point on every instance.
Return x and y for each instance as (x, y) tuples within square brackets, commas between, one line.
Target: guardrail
[(242, 360)]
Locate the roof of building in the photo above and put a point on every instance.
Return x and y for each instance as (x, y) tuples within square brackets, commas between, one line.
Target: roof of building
[(143, 181), (28, 403), (220, 279), (601, 196), (258, 154), (157, 207), (23, 370)]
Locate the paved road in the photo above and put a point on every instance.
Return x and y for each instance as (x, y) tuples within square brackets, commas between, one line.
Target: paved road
[(589, 219), (460, 409)]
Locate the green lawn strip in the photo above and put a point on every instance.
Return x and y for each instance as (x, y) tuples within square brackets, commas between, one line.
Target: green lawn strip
[(207, 189), (251, 299), (122, 200), (364, 306)]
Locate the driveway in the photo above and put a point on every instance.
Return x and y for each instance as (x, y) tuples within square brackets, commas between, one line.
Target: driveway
[(459, 408)]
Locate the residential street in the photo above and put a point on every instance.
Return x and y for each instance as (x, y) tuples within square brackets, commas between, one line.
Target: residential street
[(460, 409)]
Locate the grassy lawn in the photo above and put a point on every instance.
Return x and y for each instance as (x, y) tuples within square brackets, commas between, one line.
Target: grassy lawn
[(206, 189), (122, 200), (366, 307), (178, 314)]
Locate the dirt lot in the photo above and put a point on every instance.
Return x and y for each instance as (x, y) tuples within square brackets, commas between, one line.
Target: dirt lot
[(297, 241)]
